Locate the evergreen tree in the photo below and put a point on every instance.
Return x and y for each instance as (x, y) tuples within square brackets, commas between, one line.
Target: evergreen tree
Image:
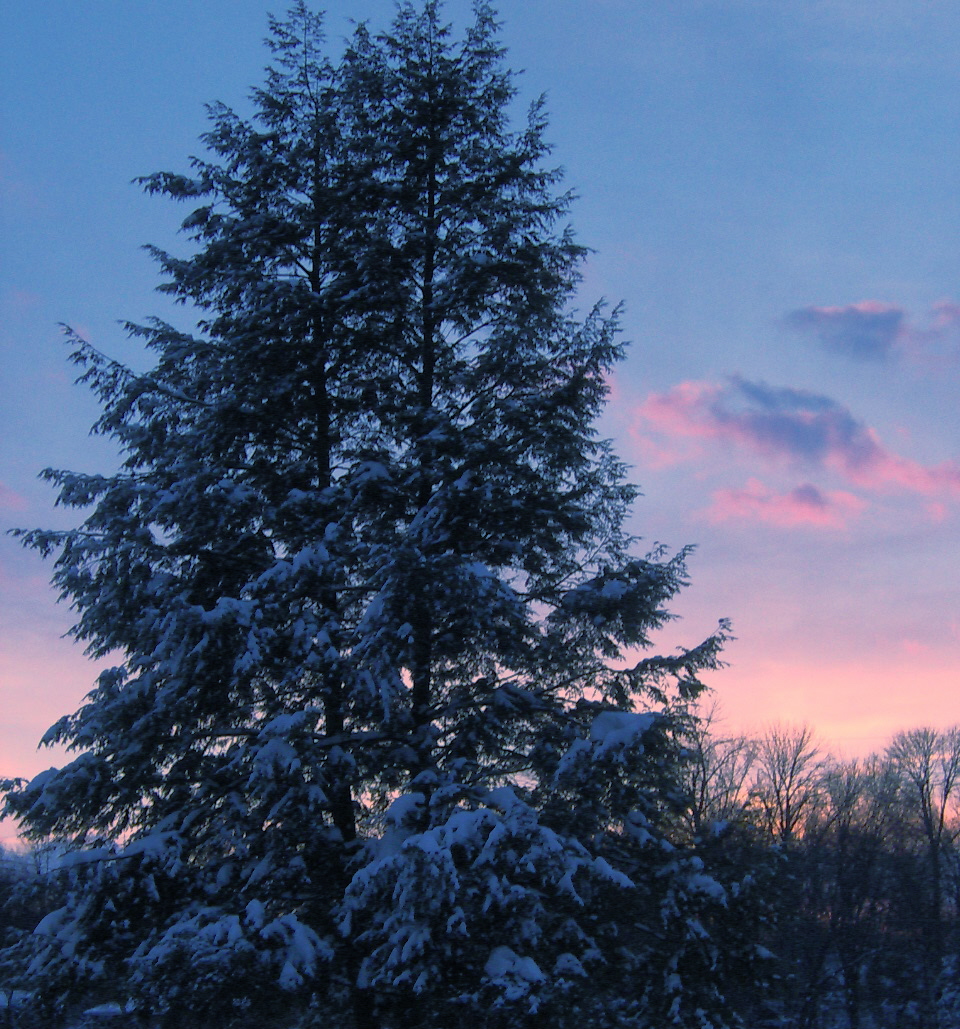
[(378, 741)]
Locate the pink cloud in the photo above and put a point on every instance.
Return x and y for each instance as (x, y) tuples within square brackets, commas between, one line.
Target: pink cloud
[(946, 314), (937, 511), (785, 426), (803, 507), (886, 471), (678, 429), (10, 500), (915, 648)]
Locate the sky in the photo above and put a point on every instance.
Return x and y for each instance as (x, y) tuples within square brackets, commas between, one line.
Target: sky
[(772, 190)]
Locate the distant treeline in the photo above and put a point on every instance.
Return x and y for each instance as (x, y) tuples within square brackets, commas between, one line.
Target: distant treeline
[(863, 895)]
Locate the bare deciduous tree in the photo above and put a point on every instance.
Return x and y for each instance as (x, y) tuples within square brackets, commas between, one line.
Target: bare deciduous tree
[(928, 765), (786, 782), (718, 773)]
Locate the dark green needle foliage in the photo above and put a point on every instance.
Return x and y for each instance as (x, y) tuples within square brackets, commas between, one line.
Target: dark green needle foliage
[(380, 746)]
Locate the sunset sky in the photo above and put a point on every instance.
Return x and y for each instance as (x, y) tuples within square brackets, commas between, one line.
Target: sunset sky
[(773, 190)]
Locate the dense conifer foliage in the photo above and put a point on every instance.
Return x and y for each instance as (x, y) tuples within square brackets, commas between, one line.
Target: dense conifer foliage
[(384, 743)]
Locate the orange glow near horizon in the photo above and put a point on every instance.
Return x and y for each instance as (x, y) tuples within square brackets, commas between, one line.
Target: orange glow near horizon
[(854, 707)]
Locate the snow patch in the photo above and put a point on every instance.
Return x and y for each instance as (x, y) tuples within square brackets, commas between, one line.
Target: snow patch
[(611, 729), (505, 963)]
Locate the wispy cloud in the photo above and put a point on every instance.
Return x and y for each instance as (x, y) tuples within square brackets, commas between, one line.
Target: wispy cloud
[(946, 316), (15, 190), (806, 506), (874, 331), (11, 500), (787, 427)]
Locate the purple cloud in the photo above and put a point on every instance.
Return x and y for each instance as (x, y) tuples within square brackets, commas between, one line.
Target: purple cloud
[(872, 331), (791, 422), (868, 330), (784, 425)]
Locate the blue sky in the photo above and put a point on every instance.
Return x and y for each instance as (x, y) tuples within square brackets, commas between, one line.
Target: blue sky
[(772, 189)]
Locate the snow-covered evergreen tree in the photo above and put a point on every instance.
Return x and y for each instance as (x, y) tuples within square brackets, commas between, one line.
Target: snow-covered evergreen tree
[(380, 741)]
